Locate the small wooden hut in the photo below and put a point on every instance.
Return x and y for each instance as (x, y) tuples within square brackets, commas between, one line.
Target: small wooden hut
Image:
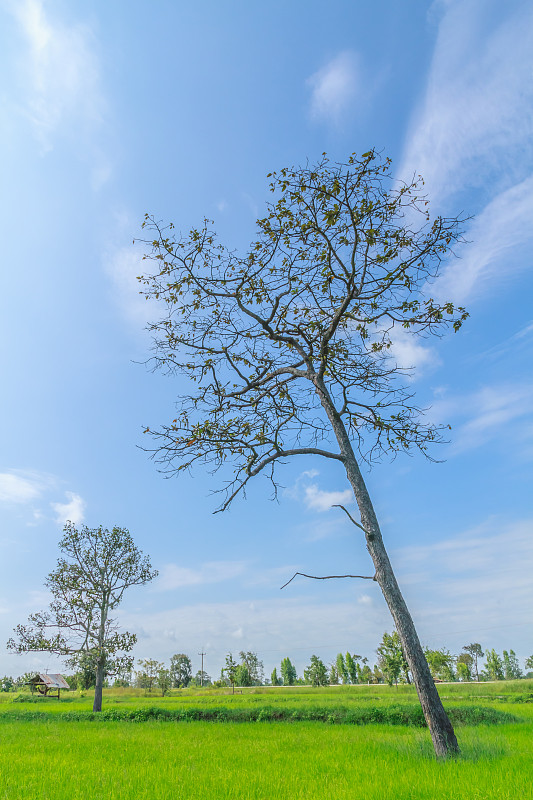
[(48, 684)]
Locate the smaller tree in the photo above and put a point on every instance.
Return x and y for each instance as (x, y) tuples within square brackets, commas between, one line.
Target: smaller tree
[(378, 676), (22, 680), (316, 673), (150, 669), (288, 672), (464, 666), (351, 667), (342, 671), (94, 571), (180, 670), (474, 650), (200, 679), (441, 663), (123, 676), (164, 681), (391, 660), (529, 662), (366, 675), (242, 675), (254, 666), (7, 684), (229, 671), (274, 679), (122, 683), (511, 667), (85, 666), (494, 665)]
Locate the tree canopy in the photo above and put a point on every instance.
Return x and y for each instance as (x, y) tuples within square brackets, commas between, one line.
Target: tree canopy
[(341, 263), (95, 569), (289, 347)]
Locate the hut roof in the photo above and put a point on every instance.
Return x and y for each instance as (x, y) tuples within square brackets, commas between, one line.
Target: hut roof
[(53, 681)]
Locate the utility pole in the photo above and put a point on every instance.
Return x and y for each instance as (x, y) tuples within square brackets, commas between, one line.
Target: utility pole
[(202, 672)]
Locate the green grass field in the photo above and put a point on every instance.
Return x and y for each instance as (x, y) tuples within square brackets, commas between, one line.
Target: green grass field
[(49, 757)]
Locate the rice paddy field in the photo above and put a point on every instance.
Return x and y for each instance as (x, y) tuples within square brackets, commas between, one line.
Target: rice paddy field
[(339, 742)]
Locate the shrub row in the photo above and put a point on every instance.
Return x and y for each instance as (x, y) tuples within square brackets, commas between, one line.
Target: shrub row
[(390, 715), (520, 698)]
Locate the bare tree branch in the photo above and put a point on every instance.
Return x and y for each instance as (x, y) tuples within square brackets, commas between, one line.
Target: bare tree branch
[(328, 577), (338, 505)]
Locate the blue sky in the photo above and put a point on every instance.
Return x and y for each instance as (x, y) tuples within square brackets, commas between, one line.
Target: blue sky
[(111, 110)]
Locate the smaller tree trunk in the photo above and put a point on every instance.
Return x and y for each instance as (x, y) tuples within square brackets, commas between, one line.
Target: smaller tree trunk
[(97, 705)]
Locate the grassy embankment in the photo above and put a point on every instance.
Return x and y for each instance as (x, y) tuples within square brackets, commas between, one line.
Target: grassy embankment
[(47, 757)]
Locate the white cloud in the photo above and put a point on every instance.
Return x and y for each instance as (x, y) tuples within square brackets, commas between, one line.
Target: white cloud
[(486, 414), (334, 87), (474, 130), (478, 580), (519, 342), (500, 241), (319, 500), (523, 332), (73, 509), (313, 497), (410, 352), (174, 577), (20, 487), (365, 600), (273, 627), (63, 81), (476, 118), (495, 408)]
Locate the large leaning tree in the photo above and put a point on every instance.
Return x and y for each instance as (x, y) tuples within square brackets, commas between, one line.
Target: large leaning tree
[(288, 347), (92, 574)]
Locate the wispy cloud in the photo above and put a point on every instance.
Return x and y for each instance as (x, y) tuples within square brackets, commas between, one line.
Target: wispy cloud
[(520, 340), (412, 353), (31, 492), (63, 73), (122, 266), (474, 130), (475, 120), (456, 588), (334, 87), (21, 487), (274, 628), (501, 234), (495, 409), (486, 414), (307, 491), (73, 509), (477, 579), (173, 576), (319, 500)]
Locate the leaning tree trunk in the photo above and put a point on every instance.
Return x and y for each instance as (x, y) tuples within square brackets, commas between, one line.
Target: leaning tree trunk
[(440, 727), (99, 685)]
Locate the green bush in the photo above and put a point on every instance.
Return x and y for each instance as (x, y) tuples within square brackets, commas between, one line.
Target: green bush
[(406, 714)]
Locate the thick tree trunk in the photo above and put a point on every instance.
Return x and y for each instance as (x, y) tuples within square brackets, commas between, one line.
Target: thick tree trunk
[(440, 727), (99, 685), (100, 664)]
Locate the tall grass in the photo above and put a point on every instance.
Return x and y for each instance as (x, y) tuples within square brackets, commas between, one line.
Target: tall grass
[(55, 760), (501, 691)]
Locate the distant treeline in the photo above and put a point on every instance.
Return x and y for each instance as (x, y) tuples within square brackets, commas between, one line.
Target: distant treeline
[(348, 668)]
